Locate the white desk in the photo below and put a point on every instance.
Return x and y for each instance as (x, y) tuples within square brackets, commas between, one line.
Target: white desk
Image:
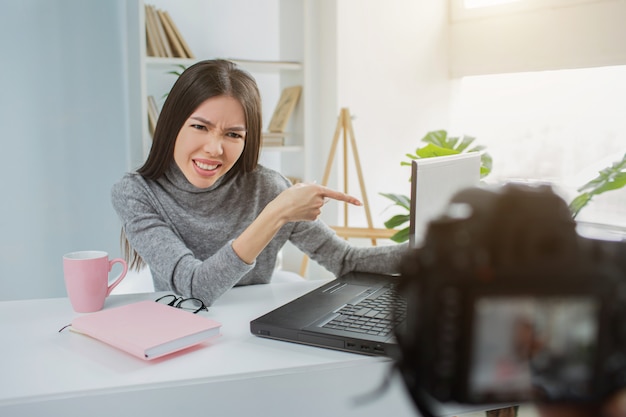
[(44, 372)]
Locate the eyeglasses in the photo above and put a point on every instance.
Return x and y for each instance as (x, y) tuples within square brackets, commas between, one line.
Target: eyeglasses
[(192, 304)]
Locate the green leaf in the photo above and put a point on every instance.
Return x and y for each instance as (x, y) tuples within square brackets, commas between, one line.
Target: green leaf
[(618, 182), (578, 203), (465, 143), (399, 199), (397, 220), (451, 143), (477, 148), (401, 236), (610, 178), (432, 150), (612, 173), (437, 137), (486, 165)]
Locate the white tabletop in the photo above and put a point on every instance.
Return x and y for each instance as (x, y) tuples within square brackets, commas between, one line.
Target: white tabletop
[(44, 371)]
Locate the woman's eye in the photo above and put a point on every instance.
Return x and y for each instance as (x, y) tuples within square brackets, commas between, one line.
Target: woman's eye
[(199, 127), (234, 135)]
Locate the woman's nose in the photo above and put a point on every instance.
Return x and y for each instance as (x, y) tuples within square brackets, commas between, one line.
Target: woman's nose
[(213, 144)]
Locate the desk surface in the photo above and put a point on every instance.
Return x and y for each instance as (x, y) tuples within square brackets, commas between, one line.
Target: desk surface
[(42, 370)]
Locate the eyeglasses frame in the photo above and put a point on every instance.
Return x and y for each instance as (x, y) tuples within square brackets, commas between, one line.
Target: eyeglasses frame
[(177, 302)]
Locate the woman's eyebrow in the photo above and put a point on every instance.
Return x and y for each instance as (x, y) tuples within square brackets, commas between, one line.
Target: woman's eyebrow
[(208, 122), (238, 128), (202, 120)]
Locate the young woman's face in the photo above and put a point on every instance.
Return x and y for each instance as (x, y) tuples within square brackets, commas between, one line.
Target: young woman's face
[(211, 140)]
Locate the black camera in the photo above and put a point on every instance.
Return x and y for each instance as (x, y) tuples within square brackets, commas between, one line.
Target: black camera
[(508, 303)]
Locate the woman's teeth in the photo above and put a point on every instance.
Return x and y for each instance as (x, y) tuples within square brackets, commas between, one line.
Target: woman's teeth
[(205, 166)]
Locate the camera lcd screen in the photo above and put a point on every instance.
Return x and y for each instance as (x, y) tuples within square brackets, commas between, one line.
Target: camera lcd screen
[(532, 348)]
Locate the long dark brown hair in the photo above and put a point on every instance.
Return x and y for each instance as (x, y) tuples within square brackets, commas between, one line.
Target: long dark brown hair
[(198, 83)]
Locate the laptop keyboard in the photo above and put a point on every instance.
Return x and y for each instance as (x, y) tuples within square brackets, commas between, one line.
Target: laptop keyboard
[(374, 316)]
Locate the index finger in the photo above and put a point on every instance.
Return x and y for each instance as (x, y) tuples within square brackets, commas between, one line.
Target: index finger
[(338, 195)]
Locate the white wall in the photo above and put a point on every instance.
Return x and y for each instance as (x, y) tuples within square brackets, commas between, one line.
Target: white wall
[(393, 76), (63, 113)]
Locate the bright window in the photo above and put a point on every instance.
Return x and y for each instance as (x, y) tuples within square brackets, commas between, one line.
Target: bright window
[(559, 126)]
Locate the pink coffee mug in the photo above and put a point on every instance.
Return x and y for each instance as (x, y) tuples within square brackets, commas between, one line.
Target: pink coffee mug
[(87, 279)]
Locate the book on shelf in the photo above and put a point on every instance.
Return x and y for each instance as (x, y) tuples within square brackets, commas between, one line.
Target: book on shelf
[(163, 39), (153, 114), (167, 49), (273, 138), (147, 329), (285, 107), (154, 43), (179, 36), (177, 47)]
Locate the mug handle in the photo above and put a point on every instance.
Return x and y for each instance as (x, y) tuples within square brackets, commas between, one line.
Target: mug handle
[(120, 277)]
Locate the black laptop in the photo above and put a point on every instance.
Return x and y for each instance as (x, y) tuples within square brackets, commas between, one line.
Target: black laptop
[(358, 312)]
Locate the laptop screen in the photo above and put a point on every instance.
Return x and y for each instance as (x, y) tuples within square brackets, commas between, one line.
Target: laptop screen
[(434, 181)]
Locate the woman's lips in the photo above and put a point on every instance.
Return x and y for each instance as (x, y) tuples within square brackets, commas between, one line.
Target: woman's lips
[(206, 168)]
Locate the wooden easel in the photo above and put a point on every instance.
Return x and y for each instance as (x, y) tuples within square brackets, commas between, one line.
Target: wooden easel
[(344, 125)]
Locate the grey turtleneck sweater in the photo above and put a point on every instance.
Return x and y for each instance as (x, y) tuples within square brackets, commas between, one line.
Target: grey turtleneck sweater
[(184, 233)]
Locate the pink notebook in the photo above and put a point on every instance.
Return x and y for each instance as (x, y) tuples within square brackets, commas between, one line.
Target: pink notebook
[(147, 329)]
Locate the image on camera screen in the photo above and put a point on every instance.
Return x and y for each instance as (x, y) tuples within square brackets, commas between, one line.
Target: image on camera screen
[(532, 348)]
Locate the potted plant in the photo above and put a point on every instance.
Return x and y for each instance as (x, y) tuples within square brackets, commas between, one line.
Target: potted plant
[(437, 143)]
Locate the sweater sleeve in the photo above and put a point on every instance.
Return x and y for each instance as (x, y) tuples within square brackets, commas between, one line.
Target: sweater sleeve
[(174, 267), (321, 243)]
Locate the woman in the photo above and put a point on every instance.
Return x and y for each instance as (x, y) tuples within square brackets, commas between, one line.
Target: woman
[(204, 216)]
